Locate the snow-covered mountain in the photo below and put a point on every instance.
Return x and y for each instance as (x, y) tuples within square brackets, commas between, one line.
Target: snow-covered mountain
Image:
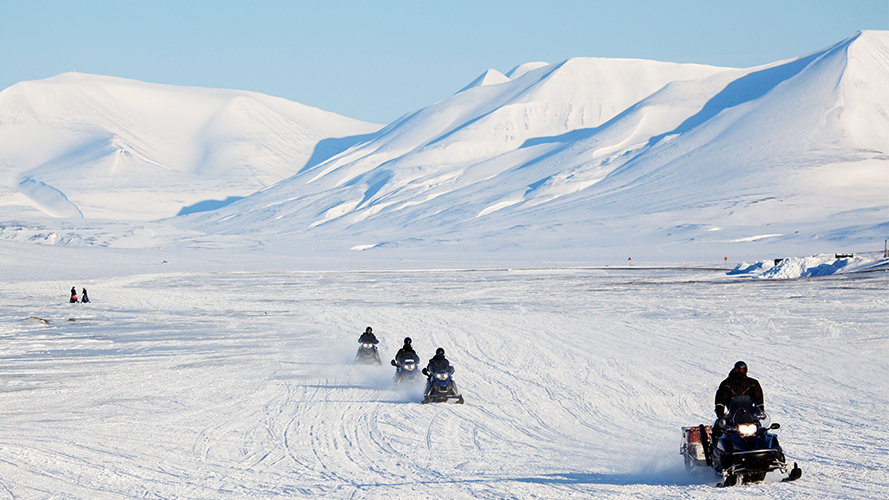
[(91, 146), (589, 153), (613, 156)]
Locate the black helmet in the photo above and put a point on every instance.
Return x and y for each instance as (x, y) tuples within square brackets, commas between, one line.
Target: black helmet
[(407, 340), (741, 367), (439, 352), (368, 330)]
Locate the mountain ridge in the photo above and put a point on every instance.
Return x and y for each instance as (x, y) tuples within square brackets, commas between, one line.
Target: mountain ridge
[(670, 159), (119, 133), (638, 158)]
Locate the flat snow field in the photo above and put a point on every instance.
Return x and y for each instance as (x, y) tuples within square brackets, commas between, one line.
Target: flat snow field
[(577, 381)]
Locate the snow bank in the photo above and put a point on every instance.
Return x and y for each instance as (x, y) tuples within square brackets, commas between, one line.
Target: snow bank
[(807, 267)]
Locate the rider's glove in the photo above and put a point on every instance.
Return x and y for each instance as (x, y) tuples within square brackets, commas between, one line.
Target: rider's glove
[(720, 411)]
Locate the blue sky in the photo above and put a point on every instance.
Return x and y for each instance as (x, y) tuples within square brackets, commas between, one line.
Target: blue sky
[(375, 61)]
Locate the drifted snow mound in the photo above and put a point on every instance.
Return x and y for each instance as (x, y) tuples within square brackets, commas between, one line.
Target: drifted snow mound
[(807, 267), (49, 199)]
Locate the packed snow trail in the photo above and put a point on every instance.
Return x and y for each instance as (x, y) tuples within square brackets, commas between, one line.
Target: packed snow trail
[(577, 381)]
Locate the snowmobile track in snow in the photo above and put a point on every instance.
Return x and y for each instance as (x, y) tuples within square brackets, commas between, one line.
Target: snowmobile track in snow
[(575, 382)]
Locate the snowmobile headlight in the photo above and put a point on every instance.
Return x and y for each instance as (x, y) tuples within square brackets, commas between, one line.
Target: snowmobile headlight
[(409, 367), (367, 345), (747, 429), (441, 375)]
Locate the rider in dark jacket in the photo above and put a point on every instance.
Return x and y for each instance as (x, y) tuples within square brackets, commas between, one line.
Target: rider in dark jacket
[(407, 351), (737, 384), (442, 393), (368, 337), (438, 363)]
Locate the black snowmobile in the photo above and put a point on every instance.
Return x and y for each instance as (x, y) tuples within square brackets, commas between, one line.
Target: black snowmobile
[(739, 447), (441, 388), (407, 370), (367, 355)]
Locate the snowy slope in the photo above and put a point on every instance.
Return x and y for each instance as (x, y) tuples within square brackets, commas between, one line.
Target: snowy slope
[(91, 146), (633, 153)]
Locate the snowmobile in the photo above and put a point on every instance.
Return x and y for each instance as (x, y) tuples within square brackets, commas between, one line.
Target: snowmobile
[(441, 388), (367, 355), (739, 447), (406, 371)]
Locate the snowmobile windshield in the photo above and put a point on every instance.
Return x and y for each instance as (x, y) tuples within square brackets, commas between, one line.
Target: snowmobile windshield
[(744, 415)]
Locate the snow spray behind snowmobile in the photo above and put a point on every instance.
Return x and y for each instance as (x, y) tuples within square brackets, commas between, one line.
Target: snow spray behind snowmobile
[(441, 388), (739, 447), (367, 355)]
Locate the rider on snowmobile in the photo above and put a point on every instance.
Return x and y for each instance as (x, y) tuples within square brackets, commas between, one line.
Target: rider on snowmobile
[(405, 352), (367, 351), (368, 337), (438, 363), (737, 384)]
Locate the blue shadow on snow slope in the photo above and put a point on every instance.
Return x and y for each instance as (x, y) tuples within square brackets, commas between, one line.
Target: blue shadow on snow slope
[(745, 89), (375, 181), (328, 148), (208, 205)]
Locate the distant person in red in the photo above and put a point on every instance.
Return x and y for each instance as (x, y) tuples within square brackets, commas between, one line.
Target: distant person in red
[(73, 295), (84, 298)]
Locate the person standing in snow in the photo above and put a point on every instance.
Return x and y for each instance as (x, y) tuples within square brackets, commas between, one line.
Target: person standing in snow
[(73, 295), (83, 298)]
